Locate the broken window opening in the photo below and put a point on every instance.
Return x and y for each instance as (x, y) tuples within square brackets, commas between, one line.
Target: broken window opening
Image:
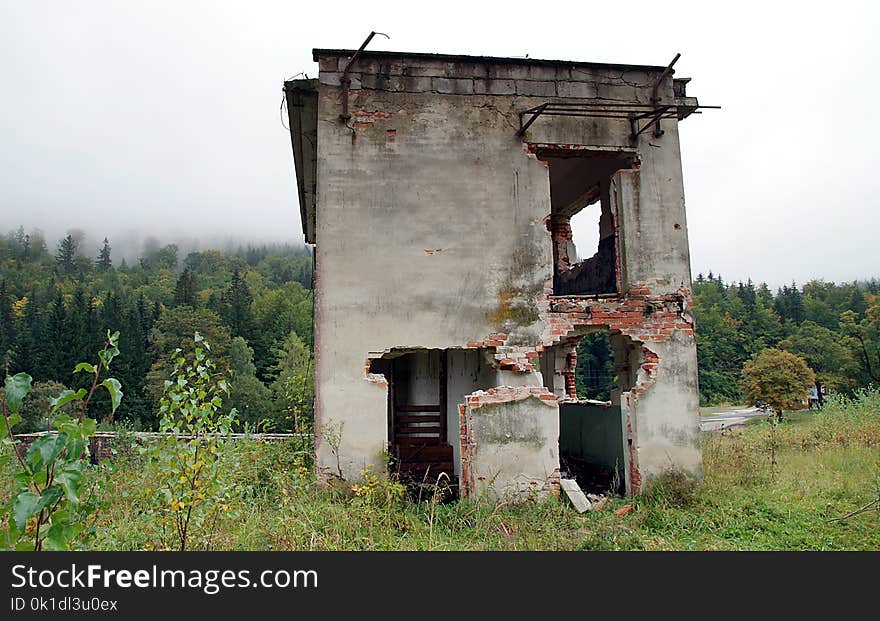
[(595, 375), (585, 226), (592, 430), (576, 184)]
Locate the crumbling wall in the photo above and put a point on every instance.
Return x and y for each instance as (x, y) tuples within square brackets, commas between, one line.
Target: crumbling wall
[(655, 355), (510, 442), (594, 275)]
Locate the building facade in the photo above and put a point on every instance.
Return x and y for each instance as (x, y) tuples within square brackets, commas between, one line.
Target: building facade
[(439, 191)]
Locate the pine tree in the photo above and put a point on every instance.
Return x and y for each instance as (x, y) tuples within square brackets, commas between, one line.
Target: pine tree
[(104, 260), (23, 241), (185, 290), (35, 245), (7, 325), (77, 313), (237, 310), (135, 360), (29, 353), (66, 255), (56, 343), (789, 303)]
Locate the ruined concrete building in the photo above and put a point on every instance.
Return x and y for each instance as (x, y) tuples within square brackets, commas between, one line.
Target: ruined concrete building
[(449, 296)]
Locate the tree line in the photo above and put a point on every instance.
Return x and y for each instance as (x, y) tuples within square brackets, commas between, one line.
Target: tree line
[(253, 305), (835, 328)]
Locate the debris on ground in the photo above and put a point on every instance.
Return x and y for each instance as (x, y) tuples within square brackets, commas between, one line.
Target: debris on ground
[(624, 510), (598, 501), (575, 495)]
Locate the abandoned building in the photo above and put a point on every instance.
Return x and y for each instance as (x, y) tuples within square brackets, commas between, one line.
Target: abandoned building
[(439, 192)]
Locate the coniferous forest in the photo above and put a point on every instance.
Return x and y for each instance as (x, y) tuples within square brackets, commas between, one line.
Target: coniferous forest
[(253, 304), (835, 328)]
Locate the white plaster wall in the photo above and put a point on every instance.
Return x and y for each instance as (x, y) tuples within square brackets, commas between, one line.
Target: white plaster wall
[(668, 425), (455, 182), (516, 446), (468, 371)]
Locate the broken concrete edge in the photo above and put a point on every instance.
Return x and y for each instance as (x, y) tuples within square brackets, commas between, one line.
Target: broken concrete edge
[(637, 314), (509, 394)]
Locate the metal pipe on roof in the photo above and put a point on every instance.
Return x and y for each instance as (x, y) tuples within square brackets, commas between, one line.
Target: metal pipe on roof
[(345, 81), (666, 72), (658, 131)]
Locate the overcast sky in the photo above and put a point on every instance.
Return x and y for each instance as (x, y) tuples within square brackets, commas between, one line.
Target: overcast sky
[(163, 117)]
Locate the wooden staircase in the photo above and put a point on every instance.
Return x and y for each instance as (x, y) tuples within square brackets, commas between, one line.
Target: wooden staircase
[(419, 444), (421, 451)]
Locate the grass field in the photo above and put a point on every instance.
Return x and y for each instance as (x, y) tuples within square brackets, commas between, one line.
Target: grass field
[(826, 466)]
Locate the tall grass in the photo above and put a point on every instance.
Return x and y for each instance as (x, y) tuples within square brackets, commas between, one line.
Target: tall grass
[(826, 466)]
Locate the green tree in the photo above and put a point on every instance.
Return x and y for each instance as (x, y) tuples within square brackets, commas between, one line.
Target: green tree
[(33, 246), (284, 268), (187, 486), (594, 375), (46, 506), (247, 394), (66, 255), (82, 326), (719, 346), (36, 408), (279, 312), (174, 330), (57, 341), (29, 352), (864, 336), (237, 311), (789, 304), (7, 325), (159, 258), (133, 363), (51, 301), (22, 243), (778, 378), (185, 292), (825, 353), (294, 385), (104, 261)]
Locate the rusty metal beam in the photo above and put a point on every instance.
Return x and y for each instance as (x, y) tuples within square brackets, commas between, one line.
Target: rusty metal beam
[(345, 81), (655, 99)]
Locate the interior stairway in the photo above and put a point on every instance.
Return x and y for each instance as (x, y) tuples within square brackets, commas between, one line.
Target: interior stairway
[(422, 457)]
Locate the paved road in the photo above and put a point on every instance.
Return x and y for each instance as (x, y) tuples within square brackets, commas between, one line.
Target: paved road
[(724, 418)]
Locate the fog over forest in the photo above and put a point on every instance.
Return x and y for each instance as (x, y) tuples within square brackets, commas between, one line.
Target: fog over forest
[(130, 245)]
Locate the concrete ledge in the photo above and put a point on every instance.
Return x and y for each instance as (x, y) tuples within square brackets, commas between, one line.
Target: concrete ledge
[(418, 75)]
